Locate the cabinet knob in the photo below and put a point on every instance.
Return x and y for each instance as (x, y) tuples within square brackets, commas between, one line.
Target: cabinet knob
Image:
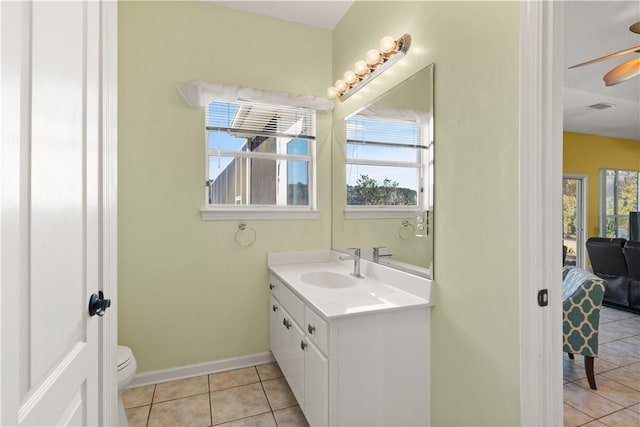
[(286, 323), (303, 345), (274, 307), (311, 328), (271, 286)]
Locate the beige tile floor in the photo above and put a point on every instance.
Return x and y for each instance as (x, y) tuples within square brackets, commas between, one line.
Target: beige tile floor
[(257, 396), (260, 397), (616, 402)]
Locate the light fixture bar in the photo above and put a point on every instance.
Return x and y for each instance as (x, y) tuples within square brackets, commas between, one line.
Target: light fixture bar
[(376, 62)]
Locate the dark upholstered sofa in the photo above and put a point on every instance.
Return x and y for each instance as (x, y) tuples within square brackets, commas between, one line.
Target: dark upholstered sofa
[(618, 262)]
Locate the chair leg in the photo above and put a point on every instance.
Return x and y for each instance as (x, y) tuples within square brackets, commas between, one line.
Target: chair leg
[(588, 367), (570, 356)]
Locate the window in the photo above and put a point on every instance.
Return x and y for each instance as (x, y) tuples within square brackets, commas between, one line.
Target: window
[(618, 196), (385, 163), (259, 157)]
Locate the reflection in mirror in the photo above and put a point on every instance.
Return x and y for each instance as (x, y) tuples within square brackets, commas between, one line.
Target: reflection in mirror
[(383, 177)]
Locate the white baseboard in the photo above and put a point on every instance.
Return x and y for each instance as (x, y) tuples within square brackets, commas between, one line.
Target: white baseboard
[(181, 372)]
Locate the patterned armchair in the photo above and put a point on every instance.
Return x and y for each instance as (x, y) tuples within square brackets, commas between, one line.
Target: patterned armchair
[(582, 294)]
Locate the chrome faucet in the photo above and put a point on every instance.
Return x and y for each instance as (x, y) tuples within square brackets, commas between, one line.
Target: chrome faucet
[(377, 255), (356, 262)]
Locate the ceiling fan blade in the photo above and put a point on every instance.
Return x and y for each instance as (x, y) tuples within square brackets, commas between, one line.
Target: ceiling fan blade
[(623, 72), (635, 27), (613, 55)]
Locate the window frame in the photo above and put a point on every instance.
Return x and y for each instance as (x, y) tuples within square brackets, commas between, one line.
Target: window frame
[(262, 211), (424, 156), (603, 201)]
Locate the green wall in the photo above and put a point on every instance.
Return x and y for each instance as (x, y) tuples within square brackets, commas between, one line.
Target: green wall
[(475, 343), (586, 155), (187, 292)]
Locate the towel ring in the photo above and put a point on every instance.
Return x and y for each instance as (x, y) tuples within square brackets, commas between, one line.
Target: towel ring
[(407, 230), (245, 235)]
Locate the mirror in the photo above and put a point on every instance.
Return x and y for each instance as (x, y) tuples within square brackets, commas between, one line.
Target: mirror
[(383, 177)]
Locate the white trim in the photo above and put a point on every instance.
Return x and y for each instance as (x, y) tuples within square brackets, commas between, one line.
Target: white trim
[(256, 212), (109, 212), (540, 189), (197, 93), (584, 213), (15, 89), (584, 217), (372, 212), (188, 371)]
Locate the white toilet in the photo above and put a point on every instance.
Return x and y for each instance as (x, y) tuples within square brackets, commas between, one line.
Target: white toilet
[(126, 369)]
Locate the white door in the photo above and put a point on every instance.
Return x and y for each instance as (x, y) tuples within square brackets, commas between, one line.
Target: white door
[(50, 231)]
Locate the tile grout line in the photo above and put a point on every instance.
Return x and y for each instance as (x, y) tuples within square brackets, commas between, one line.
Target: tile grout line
[(265, 394), (151, 406), (614, 412), (254, 415), (209, 397), (582, 412), (273, 415), (182, 397), (598, 418)]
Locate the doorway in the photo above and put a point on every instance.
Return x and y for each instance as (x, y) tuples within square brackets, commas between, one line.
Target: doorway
[(574, 219)]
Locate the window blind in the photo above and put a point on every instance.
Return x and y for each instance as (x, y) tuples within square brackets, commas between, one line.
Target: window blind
[(384, 132), (242, 118)]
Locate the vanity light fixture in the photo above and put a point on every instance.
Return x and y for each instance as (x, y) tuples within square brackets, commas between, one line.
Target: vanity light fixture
[(376, 61)]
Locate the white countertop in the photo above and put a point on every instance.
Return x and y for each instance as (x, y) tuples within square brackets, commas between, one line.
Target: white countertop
[(367, 295)]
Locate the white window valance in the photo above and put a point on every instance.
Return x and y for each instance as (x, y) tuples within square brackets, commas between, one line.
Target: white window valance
[(381, 112), (197, 93)]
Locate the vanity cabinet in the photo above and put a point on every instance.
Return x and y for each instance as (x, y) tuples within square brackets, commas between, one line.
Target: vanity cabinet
[(369, 368), (286, 338), (303, 364)]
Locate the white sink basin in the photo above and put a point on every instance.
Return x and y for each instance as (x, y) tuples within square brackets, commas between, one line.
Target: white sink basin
[(328, 279)]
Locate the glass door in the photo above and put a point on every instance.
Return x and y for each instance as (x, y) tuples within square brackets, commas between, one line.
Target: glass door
[(573, 220)]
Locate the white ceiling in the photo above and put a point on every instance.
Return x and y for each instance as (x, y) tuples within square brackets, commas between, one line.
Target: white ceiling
[(321, 14), (592, 29)]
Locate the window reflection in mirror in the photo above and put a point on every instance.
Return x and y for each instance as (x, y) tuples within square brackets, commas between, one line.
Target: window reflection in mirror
[(383, 177), (385, 162)]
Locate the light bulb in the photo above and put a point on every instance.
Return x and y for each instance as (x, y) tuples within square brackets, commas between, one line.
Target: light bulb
[(332, 92), (341, 86), (350, 77), (373, 57), (387, 44), (361, 68)]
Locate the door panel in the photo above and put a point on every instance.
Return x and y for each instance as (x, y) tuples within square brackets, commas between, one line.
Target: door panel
[(291, 357), (57, 146), (53, 71), (276, 333), (316, 386)]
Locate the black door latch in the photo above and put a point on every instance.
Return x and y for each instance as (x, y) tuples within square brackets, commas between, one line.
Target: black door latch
[(543, 297), (98, 304)]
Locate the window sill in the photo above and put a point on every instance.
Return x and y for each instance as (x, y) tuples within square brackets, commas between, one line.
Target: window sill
[(252, 212), (371, 212)]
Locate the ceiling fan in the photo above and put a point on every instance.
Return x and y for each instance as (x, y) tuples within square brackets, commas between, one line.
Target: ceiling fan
[(624, 71)]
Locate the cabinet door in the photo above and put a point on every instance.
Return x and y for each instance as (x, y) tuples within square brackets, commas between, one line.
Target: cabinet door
[(289, 355), (276, 333), (316, 387)]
